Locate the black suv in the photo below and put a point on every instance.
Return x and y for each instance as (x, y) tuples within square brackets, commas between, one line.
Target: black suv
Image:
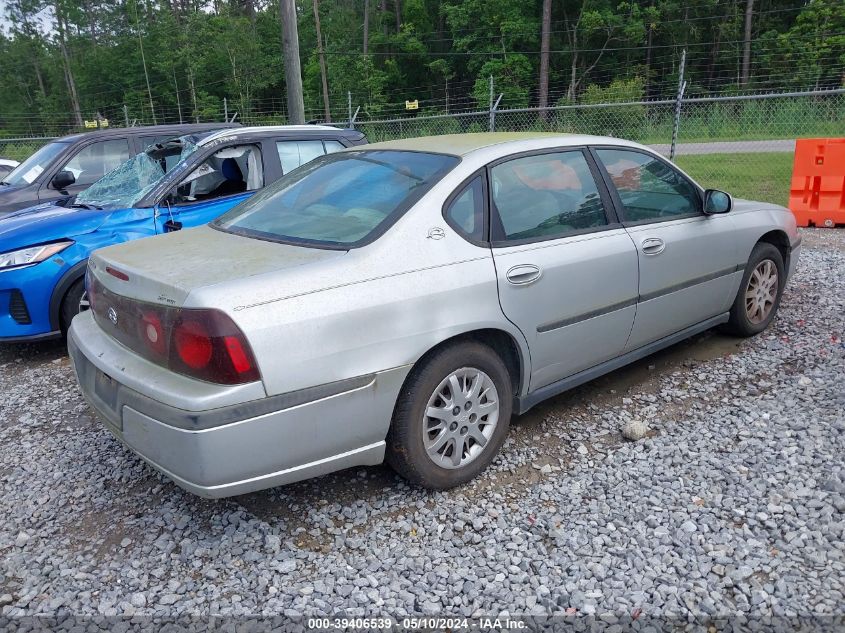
[(65, 167)]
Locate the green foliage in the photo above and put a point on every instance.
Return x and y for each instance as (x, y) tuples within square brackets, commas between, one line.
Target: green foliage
[(198, 52)]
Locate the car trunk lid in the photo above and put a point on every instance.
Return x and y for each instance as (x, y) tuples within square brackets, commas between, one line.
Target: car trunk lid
[(165, 269)]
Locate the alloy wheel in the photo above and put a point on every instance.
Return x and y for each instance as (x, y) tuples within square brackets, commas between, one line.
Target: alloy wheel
[(762, 291), (84, 304), (460, 418)]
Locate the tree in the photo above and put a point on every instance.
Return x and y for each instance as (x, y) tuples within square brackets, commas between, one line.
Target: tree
[(746, 43), (544, 55)]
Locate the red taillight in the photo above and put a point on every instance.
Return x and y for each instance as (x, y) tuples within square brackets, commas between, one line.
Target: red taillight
[(240, 359), (193, 344), (206, 344), (201, 343), (117, 273)]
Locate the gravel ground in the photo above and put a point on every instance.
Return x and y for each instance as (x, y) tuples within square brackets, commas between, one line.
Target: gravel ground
[(733, 503)]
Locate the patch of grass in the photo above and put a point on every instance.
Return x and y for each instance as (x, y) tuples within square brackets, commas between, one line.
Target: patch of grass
[(764, 176)]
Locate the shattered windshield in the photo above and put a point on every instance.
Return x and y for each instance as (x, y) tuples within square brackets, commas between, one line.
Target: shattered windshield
[(124, 186)]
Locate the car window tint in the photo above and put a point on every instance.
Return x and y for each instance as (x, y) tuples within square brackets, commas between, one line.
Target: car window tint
[(96, 160), (649, 188), (466, 211), (227, 172), (338, 200), (546, 196), (333, 146), (292, 154)]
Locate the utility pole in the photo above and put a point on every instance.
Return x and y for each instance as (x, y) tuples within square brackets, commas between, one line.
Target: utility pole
[(746, 44), (322, 63), (293, 72)]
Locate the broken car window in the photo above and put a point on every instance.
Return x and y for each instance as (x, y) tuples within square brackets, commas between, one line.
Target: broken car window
[(126, 185)]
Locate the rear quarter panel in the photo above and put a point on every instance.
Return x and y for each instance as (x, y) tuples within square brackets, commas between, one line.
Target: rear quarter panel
[(379, 307)]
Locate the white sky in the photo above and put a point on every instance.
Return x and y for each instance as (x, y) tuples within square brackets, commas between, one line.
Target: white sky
[(44, 18)]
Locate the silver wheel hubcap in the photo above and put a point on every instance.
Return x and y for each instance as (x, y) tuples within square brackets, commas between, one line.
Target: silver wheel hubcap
[(761, 292), (460, 418), (83, 302)]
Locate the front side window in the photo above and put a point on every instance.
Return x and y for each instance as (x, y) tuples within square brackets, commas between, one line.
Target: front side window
[(649, 188), (340, 199), (97, 159), (34, 166), (545, 196), (227, 172), (132, 180), (466, 212)]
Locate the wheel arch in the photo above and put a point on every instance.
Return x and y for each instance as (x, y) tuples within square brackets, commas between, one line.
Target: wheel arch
[(779, 239), (74, 274), (514, 353)]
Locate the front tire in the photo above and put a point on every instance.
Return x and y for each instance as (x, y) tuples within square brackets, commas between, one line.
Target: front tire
[(75, 301), (760, 291), (452, 417)]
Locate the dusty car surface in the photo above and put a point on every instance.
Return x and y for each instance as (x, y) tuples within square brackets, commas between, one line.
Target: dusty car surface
[(402, 300)]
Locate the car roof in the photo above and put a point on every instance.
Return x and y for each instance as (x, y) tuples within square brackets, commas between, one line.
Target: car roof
[(176, 129), (275, 130), (463, 144)]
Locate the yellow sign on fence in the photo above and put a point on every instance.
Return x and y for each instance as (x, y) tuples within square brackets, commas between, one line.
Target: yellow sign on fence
[(412, 105), (94, 124)]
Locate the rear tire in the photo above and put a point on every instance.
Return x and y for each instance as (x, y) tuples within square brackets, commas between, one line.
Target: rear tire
[(71, 304), (442, 435), (760, 291)]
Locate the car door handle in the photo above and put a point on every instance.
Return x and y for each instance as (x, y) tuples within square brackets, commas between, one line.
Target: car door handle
[(523, 274), (653, 246)]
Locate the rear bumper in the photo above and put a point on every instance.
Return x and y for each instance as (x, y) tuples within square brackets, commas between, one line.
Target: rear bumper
[(244, 447)]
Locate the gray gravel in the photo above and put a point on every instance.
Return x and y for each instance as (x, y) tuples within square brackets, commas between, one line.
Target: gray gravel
[(733, 502)]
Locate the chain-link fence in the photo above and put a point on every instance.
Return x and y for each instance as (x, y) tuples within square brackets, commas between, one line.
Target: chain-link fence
[(743, 144), (21, 148)]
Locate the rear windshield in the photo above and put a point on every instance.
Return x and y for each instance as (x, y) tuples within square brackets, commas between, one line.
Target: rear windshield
[(340, 200)]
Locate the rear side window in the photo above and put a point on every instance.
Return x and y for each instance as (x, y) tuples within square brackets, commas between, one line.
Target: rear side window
[(339, 200), (466, 211), (545, 196), (649, 188), (292, 154)]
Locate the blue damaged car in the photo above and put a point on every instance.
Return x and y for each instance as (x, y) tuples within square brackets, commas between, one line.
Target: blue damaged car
[(180, 183)]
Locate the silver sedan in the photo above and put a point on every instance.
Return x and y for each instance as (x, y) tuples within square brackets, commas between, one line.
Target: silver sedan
[(403, 300)]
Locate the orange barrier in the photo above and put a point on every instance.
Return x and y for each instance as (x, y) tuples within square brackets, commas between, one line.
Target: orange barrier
[(817, 195)]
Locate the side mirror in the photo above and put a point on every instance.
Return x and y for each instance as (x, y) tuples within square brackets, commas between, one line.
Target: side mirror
[(716, 202), (62, 180)]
